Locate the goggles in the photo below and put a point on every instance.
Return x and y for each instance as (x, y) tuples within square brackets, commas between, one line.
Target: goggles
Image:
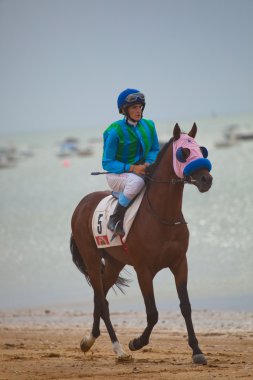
[(131, 98)]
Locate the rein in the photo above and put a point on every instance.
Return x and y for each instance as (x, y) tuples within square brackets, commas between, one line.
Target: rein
[(167, 222), (172, 181)]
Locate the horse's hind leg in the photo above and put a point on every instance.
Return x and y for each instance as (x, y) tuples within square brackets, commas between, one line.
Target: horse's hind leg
[(101, 285), (88, 341), (185, 306), (110, 276)]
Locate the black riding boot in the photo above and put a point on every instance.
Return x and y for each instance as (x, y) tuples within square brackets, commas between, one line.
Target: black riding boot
[(115, 223)]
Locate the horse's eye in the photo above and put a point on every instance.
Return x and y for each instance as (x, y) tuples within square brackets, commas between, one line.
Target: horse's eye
[(204, 151), (182, 154)]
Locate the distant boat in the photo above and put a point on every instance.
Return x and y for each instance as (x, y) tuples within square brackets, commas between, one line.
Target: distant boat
[(244, 135), (85, 152), (238, 132), (8, 157), (70, 147), (235, 133), (4, 163)]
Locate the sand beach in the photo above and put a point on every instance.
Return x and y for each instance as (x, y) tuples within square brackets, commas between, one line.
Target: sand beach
[(44, 344)]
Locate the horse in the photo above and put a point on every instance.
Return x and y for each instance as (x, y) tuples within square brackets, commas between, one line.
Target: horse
[(158, 239)]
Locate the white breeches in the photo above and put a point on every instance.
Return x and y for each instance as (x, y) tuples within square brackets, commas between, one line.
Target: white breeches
[(127, 183)]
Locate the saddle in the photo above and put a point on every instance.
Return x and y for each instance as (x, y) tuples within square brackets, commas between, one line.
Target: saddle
[(104, 209)]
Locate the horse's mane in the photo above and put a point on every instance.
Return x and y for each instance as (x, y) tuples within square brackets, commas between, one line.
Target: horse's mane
[(151, 168)]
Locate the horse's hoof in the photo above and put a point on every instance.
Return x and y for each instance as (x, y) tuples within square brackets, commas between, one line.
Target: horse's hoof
[(199, 359), (131, 346), (124, 359), (136, 344), (84, 345)]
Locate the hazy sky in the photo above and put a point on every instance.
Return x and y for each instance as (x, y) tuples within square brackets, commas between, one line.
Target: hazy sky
[(63, 62)]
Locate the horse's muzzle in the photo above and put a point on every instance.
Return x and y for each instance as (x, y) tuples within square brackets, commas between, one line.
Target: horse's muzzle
[(204, 183), (202, 180)]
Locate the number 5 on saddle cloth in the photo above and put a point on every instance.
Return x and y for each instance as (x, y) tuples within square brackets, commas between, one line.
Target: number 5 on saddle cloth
[(104, 209)]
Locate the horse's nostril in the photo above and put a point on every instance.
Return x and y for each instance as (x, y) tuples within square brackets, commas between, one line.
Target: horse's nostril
[(206, 180)]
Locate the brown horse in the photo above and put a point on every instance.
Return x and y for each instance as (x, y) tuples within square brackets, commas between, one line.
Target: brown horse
[(158, 239)]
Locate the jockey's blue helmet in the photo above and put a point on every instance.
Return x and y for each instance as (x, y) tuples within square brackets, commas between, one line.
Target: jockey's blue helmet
[(129, 97)]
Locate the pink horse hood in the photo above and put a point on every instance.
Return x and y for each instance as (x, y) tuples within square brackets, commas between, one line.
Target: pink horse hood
[(195, 160)]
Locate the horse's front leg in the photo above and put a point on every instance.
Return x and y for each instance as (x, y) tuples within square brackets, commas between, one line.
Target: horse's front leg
[(185, 306), (146, 284)]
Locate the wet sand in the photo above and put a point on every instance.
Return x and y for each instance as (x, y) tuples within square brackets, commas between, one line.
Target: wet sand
[(45, 345)]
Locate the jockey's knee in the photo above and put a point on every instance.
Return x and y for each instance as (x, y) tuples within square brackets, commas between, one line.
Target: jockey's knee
[(133, 186)]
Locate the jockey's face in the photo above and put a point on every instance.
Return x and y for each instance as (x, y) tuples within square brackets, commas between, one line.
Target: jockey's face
[(135, 112)]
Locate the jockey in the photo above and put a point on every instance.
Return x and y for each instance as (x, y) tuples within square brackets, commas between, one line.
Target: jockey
[(130, 145)]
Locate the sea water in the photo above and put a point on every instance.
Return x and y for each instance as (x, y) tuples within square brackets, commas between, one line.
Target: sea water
[(39, 194)]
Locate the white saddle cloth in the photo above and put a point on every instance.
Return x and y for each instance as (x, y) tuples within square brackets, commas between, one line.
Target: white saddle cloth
[(104, 209)]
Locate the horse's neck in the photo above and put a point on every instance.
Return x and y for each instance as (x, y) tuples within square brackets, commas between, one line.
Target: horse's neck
[(166, 197)]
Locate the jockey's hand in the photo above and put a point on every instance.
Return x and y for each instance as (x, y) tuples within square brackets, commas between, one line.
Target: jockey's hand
[(138, 169)]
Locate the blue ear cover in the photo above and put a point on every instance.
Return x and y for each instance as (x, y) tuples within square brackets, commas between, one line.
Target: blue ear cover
[(180, 155), (199, 163), (204, 151)]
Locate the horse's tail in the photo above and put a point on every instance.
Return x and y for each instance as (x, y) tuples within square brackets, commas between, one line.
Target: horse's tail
[(79, 262), (77, 259)]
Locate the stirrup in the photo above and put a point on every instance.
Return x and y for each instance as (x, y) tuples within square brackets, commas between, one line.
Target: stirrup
[(121, 232), (115, 233), (113, 236)]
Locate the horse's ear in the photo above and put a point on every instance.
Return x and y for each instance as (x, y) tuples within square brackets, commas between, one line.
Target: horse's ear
[(193, 131), (176, 132)]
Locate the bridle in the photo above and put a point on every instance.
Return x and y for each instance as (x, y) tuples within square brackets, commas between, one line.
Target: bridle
[(173, 181)]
